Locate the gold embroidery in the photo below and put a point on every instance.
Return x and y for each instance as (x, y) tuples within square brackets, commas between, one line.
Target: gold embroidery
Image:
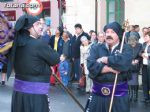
[(6, 47), (105, 91)]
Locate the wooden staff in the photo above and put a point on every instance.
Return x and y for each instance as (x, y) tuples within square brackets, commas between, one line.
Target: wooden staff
[(70, 93), (126, 23)]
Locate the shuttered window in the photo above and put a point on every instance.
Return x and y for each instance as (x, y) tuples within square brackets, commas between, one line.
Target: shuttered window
[(115, 10)]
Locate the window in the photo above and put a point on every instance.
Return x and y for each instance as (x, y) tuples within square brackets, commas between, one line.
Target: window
[(46, 9), (115, 11)]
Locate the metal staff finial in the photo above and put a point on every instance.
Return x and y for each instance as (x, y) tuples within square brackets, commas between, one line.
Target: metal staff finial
[(125, 25)]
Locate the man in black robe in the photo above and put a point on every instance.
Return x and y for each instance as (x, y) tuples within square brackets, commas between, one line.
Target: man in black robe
[(31, 60), (103, 63)]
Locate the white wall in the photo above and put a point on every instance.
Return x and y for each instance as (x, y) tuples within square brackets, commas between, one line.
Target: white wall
[(19, 12), (80, 11), (54, 15), (101, 15), (137, 12)]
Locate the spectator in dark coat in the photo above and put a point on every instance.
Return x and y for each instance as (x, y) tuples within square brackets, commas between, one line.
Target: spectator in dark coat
[(56, 40), (135, 68), (66, 49), (146, 68), (56, 43), (76, 42)]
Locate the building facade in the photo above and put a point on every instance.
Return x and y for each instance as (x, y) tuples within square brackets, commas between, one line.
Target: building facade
[(79, 11), (50, 9), (94, 14)]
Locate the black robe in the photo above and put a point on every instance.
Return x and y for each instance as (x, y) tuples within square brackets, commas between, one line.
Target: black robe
[(32, 63), (120, 62)]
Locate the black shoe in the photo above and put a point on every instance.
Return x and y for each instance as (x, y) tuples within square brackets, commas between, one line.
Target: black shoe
[(3, 83)]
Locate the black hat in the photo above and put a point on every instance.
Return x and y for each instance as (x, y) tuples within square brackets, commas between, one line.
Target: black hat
[(116, 27), (25, 22)]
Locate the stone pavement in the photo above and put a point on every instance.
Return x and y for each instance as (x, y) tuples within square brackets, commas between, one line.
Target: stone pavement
[(60, 101)]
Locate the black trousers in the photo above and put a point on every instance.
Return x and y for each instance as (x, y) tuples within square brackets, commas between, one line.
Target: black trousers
[(146, 81)]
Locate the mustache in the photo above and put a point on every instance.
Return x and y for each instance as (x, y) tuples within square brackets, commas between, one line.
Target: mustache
[(109, 37)]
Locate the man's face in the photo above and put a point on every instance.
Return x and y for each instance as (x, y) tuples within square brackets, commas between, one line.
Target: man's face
[(93, 36), (145, 30), (137, 29), (38, 28), (42, 22), (111, 37), (101, 37), (147, 38), (65, 36), (78, 31), (57, 32)]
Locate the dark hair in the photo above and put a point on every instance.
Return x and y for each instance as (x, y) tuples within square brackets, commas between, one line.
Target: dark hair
[(94, 32), (91, 31), (147, 33), (144, 28), (66, 33), (78, 25), (64, 55), (60, 30), (136, 26)]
